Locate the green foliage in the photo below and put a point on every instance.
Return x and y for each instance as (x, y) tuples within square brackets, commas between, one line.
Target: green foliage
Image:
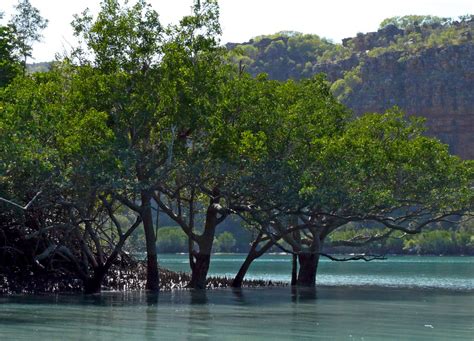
[(171, 239), (27, 24), (431, 242), (9, 63), (141, 111), (286, 54), (423, 32), (334, 54), (411, 21), (252, 145), (293, 55), (30, 111), (16, 40), (386, 161), (121, 38), (225, 242), (343, 87)]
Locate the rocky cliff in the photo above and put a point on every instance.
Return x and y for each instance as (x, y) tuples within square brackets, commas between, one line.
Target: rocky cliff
[(424, 65), (437, 83)]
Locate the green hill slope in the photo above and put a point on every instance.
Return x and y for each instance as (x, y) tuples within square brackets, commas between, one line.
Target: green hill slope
[(423, 64)]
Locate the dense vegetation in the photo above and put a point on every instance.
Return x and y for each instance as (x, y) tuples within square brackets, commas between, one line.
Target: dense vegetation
[(143, 120), (295, 55), (435, 241), (286, 54), (172, 239)]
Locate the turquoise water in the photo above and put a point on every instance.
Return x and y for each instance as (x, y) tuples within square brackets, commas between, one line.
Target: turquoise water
[(351, 313), (396, 271), (409, 298)]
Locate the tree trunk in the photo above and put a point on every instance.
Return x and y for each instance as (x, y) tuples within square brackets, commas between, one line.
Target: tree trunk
[(308, 266), (152, 275), (239, 278), (294, 259), (294, 269), (191, 252), (200, 270), (203, 257), (252, 255), (92, 285)]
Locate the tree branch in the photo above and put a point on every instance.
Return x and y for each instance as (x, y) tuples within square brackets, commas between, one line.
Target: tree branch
[(366, 258), (24, 208), (356, 241)]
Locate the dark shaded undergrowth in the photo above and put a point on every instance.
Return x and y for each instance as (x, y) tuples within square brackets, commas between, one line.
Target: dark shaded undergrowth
[(132, 278)]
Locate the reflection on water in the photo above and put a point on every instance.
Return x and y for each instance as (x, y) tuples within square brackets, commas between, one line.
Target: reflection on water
[(151, 313), (277, 313), (302, 294), (402, 298), (199, 316)]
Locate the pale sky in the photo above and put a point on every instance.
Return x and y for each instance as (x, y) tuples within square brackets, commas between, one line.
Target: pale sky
[(244, 19)]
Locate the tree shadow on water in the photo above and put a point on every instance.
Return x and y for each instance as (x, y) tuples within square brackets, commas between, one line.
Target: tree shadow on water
[(151, 313), (300, 295), (199, 317)]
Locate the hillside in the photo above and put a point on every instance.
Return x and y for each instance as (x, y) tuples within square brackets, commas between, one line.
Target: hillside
[(423, 64)]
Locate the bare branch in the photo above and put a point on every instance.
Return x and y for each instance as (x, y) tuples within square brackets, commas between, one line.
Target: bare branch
[(110, 211), (24, 208), (49, 228), (366, 258), (174, 216), (130, 204), (362, 240)]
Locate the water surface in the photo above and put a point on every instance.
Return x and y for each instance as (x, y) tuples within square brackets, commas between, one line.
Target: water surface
[(403, 298), (252, 314), (396, 271)]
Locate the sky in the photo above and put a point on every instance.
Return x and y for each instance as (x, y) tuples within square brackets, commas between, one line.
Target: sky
[(243, 19)]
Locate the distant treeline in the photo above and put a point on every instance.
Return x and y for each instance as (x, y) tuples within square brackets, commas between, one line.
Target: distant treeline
[(437, 241), (293, 55)]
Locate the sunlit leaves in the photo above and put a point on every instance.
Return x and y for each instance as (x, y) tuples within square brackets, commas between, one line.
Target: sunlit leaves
[(385, 161), (120, 38), (27, 24)]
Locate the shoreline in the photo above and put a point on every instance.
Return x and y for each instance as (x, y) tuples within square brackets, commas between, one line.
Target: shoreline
[(132, 276), (335, 254), (118, 280), (265, 285)]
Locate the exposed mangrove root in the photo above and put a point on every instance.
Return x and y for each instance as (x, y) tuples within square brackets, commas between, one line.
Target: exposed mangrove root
[(131, 279)]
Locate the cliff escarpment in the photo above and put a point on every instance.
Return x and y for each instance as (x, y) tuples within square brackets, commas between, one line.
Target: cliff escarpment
[(436, 83), (422, 64)]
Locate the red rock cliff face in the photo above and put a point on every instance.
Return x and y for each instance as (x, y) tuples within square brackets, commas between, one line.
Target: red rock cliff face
[(437, 84), (425, 67)]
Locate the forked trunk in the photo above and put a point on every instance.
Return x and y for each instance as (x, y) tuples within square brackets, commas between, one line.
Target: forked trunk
[(202, 259), (252, 255), (200, 270)]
